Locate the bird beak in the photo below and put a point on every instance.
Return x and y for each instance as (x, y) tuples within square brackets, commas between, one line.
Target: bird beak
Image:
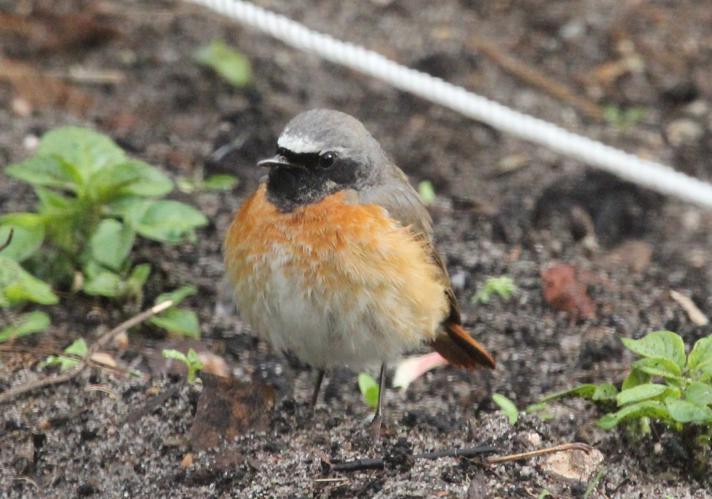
[(277, 160)]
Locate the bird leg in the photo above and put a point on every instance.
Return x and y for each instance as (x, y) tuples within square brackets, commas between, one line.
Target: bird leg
[(377, 420), (317, 388)]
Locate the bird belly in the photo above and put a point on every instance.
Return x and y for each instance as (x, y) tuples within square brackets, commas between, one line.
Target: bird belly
[(336, 284)]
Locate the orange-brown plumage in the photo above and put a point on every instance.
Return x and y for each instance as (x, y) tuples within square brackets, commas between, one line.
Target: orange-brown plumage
[(342, 251)]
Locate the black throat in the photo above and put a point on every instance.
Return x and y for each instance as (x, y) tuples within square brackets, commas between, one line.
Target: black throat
[(304, 181)]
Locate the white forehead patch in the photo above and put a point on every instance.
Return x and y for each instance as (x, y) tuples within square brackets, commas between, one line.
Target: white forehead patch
[(298, 144)]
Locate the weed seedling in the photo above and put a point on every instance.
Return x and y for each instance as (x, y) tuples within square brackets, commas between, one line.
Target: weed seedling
[(508, 408), (502, 286), (369, 389), (77, 349), (226, 61), (191, 360), (664, 385)]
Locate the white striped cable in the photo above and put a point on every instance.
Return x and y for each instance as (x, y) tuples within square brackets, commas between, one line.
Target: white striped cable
[(646, 173)]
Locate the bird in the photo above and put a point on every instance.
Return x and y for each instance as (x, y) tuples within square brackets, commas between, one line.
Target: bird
[(332, 258)]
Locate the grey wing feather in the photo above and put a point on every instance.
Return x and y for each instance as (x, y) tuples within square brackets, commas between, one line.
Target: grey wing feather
[(403, 203)]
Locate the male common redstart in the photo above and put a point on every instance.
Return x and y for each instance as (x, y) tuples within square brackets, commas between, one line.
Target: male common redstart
[(333, 258)]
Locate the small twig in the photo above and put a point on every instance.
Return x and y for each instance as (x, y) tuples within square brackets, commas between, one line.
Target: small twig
[(359, 465), (539, 452), (102, 340), (469, 452), (535, 77), (89, 75), (331, 480), (9, 239), (379, 464)]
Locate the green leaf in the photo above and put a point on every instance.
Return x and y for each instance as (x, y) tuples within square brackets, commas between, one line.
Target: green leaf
[(194, 364), (508, 408), (698, 393), (640, 393), (129, 178), (369, 389), (426, 192), (701, 353), (220, 183), (34, 322), (605, 392), (635, 378), (138, 277), (704, 371), (170, 353), (165, 220), (45, 172), (54, 204), (178, 295), (191, 360), (104, 283), (18, 286), (230, 64), (647, 408), (683, 411), (28, 233), (82, 148), (585, 391), (502, 286), (663, 368), (111, 243), (179, 321), (78, 348), (659, 344)]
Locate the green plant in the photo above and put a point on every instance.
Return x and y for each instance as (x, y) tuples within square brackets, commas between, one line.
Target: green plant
[(369, 389), (664, 385), (33, 322), (623, 118), (93, 202), (508, 408), (78, 349), (426, 192), (502, 286), (230, 64), (211, 183), (191, 360), (181, 321)]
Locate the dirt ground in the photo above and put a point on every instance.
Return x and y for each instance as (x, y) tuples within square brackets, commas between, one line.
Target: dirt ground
[(503, 207)]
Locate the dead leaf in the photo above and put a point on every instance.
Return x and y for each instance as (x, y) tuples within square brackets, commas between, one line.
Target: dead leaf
[(228, 408), (573, 466), (104, 359), (187, 461), (564, 291)]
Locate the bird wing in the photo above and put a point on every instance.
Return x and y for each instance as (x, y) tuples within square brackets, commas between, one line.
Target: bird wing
[(403, 204)]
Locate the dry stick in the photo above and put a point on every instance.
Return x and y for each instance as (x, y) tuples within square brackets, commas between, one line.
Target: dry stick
[(469, 452), (540, 452), (102, 340), (379, 464), (536, 78), (359, 465)]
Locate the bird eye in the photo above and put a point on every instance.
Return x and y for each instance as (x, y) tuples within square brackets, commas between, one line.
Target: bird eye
[(327, 159)]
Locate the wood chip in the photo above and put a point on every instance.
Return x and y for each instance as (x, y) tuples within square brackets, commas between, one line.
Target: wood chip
[(693, 312)]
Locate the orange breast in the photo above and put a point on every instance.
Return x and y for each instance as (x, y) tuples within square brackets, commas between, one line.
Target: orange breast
[(350, 271)]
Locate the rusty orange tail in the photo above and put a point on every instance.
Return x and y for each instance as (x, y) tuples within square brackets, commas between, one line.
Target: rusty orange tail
[(461, 349)]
